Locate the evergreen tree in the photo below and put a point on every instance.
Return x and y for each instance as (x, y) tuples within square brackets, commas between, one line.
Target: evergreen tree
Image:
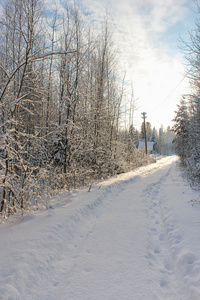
[(148, 131), (181, 130)]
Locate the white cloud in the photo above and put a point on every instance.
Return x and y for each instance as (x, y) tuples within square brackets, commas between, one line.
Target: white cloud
[(162, 14), (155, 73)]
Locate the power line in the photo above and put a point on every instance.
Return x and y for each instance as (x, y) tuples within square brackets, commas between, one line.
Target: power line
[(171, 91)]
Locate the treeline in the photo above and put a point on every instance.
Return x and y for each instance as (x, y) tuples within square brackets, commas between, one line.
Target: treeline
[(187, 119), (61, 102), (187, 141)]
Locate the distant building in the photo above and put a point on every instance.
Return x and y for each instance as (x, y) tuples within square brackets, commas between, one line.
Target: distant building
[(150, 146)]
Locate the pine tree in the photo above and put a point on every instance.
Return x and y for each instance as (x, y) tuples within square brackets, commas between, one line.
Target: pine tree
[(182, 132)]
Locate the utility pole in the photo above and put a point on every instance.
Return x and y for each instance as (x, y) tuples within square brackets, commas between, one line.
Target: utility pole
[(145, 134)]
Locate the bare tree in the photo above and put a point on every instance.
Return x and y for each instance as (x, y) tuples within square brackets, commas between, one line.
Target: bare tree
[(60, 100)]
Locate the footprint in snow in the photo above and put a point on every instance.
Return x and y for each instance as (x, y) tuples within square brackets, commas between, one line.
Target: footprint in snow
[(163, 283), (168, 266), (157, 251), (161, 237)]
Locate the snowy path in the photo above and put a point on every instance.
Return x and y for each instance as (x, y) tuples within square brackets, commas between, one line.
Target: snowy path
[(135, 236)]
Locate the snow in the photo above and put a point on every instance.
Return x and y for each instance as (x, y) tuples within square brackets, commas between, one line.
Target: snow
[(134, 236)]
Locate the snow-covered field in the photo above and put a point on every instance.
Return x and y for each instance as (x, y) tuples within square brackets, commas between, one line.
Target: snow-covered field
[(135, 236)]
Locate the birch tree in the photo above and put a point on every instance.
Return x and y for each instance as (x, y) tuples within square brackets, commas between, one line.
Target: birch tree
[(61, 101)]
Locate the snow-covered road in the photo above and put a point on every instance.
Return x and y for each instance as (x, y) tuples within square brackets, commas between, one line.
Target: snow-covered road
[(135, 236)]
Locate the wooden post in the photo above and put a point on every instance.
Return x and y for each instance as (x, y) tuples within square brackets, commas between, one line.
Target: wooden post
[(145, 134)]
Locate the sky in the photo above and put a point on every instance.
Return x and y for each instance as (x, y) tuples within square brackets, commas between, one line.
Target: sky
[(148, 36)]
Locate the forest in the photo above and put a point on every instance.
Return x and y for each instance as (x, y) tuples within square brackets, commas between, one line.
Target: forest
[(187, 118), (66, 117)]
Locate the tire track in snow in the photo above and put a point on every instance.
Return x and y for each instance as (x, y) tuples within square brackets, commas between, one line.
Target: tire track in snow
[(149, 250), (80, 226), (110, 190)]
